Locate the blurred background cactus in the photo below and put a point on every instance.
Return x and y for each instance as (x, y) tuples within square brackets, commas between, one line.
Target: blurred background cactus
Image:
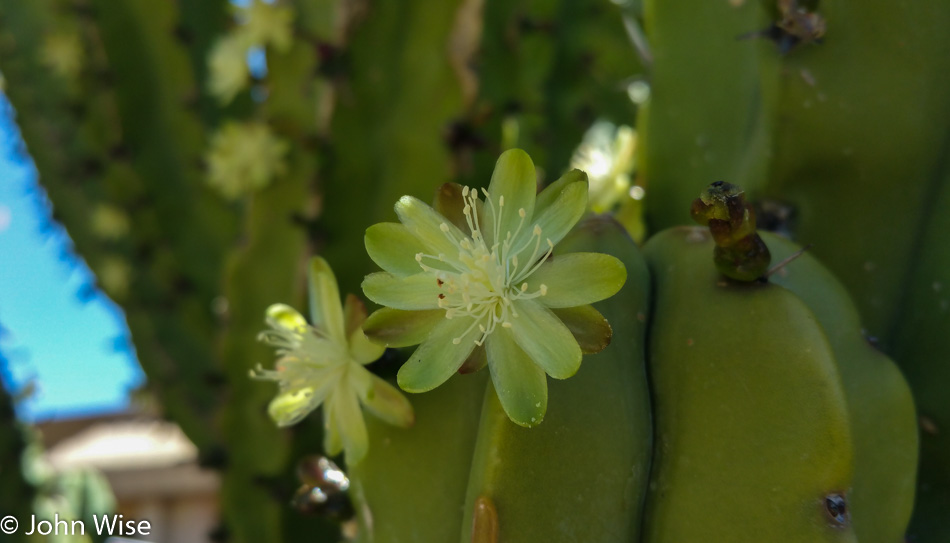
[(199, 153)]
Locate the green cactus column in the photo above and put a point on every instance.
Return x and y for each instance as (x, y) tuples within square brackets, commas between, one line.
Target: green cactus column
[(826, 131)]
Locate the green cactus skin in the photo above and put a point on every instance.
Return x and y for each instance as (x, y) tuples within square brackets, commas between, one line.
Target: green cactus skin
[(826, 129), (705, 118), (751, 419), (581, 474), (411, 486), (880, 406), (388, 125), (922, 350)]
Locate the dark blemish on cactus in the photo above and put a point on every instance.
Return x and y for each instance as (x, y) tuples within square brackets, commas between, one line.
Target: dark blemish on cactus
[(796, 25), (120, 151), (91, 167), (775, 216), (459, 135), (484, 521), (213, 457), (929, 426), (324, 489), (184, 35), (837, 508)]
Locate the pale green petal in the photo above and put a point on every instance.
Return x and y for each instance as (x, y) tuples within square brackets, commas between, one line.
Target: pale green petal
[(520, 384), (362, 349), (551, 193), (332, 436), (545, 339), (393, 248), (290, 406), (439, 356), (589, 327), (349, 418), (515, 180), (354, 313), (578, 279), (437, 233), (399, 328), (325, 309), (420, 291), (557, 219), (384, 401), (286, 317)]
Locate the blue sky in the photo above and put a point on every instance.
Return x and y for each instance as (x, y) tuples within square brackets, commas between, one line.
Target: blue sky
[(76, 352)]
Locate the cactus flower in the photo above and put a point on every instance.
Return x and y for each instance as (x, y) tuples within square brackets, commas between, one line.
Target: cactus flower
[(267, 24), (607, 155), (63, 54), (475, 282), (243, 158), (323, 363), (228, 72)]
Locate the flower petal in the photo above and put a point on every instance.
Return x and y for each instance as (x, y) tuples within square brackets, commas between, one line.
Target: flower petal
[(439, 356), (293, 404), (434, 231), (362, 349), (545, 339), (385, 401), (557, 218), (521, 385), (325, 309), (420, 291), (352, 428), (399, 328), (290, 407), (332, 436), (551, 193), (393, 248), (514, 186), (286, 317), (354, 313), (574, 279), (475, 361), (589, 327)]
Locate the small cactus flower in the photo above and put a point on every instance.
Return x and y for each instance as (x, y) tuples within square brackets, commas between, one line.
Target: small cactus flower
[(63, 54), (267, 24), (243, 158), (474, 282), (228, 72), (607, 155), (322, 363)]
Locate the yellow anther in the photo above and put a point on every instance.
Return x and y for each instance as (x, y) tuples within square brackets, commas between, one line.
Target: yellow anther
[(418, 257), (501, 201), (544, 290), (537, 231), (457, 340), (506, 324), (522, 213), (524, 287), (444, 227)]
